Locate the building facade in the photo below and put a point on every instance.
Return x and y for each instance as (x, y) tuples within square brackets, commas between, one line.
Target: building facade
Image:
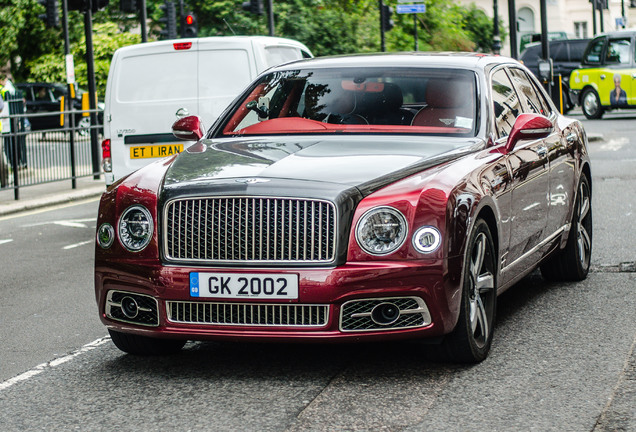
[(572, 17)]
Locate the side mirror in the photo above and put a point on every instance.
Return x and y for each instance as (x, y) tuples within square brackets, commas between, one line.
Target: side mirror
[(188, 128), (528, 127)]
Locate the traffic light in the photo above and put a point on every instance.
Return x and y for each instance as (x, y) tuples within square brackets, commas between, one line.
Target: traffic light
[(387, 22), (128, 6), (190, 29), (254, 6), (168, 21), (51, 17)]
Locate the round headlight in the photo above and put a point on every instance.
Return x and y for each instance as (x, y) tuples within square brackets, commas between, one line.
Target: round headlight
[(105, 235), (381, 231), (135, 228), (427, 239)]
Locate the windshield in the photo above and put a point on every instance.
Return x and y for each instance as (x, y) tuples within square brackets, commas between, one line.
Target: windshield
[(356, 100)]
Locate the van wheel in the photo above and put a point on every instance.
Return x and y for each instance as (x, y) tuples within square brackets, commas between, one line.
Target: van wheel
[(591, 104)]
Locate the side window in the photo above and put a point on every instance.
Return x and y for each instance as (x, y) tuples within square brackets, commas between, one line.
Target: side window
[(530, 100), (505, 103), (618, 51), (593, 55)]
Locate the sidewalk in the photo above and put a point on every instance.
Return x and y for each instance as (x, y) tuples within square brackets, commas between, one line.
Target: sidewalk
[(49, 194)]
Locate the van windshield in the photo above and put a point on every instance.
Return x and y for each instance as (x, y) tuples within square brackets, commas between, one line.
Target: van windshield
[(357, 100)]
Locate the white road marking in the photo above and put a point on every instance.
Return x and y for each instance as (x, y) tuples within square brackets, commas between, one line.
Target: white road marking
[(77, 244), (6, 241), (73, 223), (47, 209), (55, 362), (615, 144)]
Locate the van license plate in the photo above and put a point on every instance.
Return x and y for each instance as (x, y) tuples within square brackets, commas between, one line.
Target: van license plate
[(155, 151), (244, 285)]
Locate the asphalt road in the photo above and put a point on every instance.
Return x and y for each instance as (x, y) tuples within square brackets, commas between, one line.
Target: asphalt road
[(563, 357)]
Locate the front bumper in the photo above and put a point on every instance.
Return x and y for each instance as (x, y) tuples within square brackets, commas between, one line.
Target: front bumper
[(352, 302)]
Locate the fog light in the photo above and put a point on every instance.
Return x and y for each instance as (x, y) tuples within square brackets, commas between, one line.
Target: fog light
[(385, 314), (105, 235), (427, 239), (129, 307)]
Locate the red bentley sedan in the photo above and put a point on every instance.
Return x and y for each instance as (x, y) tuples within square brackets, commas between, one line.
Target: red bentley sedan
[(356, 198)]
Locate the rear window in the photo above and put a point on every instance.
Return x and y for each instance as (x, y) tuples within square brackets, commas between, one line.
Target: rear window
[(275, 55), (157, 77), (223, 73)]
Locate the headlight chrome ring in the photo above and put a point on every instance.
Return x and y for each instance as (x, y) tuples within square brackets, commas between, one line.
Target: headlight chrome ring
[(381, 231), (135, 228)]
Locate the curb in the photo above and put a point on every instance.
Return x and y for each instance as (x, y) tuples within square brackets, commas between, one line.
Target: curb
[(51, 200)]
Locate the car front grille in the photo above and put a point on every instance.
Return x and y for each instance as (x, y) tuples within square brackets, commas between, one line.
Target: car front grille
[(250, 229), (248, 314), (356, 315)]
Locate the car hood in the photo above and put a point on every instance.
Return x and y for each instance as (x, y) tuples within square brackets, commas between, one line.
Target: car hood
[(364, 162)]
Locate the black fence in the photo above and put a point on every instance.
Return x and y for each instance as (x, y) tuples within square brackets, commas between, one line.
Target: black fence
[(59, 152)]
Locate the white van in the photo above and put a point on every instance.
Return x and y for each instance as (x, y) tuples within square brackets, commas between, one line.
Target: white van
[(151, 85)]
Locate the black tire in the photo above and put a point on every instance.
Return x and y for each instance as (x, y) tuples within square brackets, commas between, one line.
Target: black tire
[(470, 341), (573, 262), (591, 104), (143, 345)]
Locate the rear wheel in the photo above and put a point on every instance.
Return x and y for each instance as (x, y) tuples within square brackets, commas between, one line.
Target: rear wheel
[(573, 262), (471, 339), (591, 104), (143, 345)]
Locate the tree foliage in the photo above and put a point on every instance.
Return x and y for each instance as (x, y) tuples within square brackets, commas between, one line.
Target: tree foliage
[(327, 27)]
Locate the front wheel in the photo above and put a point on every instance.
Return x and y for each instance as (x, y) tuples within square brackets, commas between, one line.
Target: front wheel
[(591, 104), (143, 345), (470, 341)]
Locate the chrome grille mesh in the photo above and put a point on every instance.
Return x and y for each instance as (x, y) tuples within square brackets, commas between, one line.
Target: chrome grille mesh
[(252, 229), (291, 315)]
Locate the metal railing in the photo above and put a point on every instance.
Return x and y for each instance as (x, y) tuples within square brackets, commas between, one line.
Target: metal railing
[(32, 157)]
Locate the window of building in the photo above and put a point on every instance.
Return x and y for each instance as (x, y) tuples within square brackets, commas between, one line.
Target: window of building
[(580, 29)]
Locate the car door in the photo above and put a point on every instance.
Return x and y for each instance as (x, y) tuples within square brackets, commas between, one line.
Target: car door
[(561, 174), (528, 165)]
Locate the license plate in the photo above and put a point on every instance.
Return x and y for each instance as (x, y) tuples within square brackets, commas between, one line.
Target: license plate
[(244, 285), (155, 151)]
